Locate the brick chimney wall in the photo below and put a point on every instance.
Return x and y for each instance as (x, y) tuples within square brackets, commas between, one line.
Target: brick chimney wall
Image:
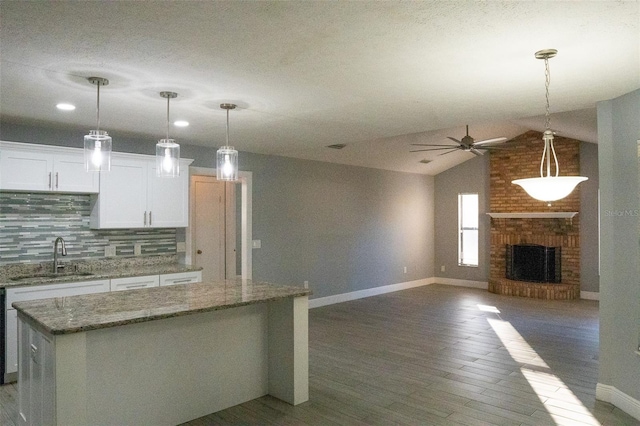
[(520, 158)]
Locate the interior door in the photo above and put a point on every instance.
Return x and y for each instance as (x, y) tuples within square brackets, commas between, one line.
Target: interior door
[(209, 224)]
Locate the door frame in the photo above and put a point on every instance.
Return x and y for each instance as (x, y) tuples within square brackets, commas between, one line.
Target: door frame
[(245, 179)]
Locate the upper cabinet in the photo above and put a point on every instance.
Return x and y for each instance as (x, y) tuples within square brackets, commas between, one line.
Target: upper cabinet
[(26, 167), (132, 196)]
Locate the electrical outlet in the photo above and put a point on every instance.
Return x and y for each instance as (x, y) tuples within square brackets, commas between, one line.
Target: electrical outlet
[(110, 251), (442, 268), (405, 269), (137, 249), (256, 244), (306, 284), (181, 247)]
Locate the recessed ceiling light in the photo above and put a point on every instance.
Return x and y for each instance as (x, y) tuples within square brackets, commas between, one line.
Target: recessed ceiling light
[(181, 123), (65, 107)]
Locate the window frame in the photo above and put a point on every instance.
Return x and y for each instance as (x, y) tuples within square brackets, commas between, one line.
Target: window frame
[(462, 259)]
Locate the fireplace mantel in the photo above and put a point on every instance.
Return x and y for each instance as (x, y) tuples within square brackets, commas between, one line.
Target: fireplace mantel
[(534, 215)]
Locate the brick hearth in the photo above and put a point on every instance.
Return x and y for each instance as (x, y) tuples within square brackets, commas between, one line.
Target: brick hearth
[(521, 159)]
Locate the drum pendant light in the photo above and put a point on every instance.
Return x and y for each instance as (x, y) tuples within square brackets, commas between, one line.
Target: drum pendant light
[(546, 187), (167, 150), (97, 144), (227, 156)]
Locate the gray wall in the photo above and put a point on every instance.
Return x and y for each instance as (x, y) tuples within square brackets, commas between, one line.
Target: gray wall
[(618, 133), (470, 176), (589, 253), (339, 227)]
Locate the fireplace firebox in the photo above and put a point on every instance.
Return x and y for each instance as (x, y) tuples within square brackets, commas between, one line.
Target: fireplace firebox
[(534, 263)]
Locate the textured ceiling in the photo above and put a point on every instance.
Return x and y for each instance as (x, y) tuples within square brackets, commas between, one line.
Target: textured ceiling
[(377, 76)]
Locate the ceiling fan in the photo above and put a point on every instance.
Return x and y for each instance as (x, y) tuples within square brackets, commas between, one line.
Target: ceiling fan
[(466, 144)]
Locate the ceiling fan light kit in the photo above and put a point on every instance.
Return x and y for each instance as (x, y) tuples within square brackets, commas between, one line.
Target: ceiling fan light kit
[(548, 188)]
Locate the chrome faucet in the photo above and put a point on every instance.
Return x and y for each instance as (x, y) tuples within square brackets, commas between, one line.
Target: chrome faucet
[(55, 253)]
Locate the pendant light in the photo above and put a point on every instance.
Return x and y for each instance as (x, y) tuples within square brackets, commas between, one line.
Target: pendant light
[(97, 144), (546, 187), (227, 156), (167, 150)]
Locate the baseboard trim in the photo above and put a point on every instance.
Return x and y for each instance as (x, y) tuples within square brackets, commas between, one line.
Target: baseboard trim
[(360, 294), (610, 394), (590, 295), (484, 285)]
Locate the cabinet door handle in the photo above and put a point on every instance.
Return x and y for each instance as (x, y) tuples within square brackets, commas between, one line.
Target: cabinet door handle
[(135, 286), (186, 280), (150, 218), (56, 180), (49, 180), (145, 218)]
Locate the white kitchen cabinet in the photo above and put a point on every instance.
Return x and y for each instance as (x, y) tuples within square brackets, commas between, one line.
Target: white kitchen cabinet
[(181, 278), (18, 294), (132, 196), (133, 283), (36, 392), (29, 167)]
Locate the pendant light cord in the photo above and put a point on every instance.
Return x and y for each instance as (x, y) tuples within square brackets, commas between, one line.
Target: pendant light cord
[(168, 99), (98, 109), (227, 127)]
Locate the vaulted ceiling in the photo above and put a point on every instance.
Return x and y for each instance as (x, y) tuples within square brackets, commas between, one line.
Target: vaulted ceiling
[(377, 76)]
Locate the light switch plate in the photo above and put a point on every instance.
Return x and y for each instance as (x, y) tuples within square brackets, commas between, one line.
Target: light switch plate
[(181, 247), (110, 251), (137, 249), (256, 244)]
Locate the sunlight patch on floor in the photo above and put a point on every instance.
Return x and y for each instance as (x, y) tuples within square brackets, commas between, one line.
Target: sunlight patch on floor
[(566, 410)]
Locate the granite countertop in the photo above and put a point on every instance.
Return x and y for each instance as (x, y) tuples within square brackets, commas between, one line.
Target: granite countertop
[(28, 275), (74, 314)]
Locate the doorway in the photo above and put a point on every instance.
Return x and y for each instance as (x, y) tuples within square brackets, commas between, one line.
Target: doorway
[(219, 213)]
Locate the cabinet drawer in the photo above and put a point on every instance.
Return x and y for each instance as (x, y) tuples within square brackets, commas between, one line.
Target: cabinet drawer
[(20, 294), (181, 278), (132, 283)]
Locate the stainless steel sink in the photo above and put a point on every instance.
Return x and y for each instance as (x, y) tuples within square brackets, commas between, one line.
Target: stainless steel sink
[(51, 275)]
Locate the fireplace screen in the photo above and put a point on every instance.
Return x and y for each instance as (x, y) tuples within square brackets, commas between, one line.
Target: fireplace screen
[(534, 263)]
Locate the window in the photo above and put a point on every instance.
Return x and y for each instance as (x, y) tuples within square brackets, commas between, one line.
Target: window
[(468, 229)]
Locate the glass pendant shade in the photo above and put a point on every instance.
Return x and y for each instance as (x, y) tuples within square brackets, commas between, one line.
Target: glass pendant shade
[(227, 164), (167, 150), (167, 158), (97, 144), (97, 151), (550, 188), (227, 156)]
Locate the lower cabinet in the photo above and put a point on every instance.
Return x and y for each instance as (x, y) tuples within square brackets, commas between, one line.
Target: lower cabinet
[(132, 283), (36, 392)]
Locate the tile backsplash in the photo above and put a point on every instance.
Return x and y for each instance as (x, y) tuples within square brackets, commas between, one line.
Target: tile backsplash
[(30, 222)]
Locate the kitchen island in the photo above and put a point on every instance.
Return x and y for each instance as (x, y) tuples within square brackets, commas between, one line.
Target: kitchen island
[(162, 355)]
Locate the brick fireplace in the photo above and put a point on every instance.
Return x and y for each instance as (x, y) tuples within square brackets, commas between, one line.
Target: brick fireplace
[(520, 158)]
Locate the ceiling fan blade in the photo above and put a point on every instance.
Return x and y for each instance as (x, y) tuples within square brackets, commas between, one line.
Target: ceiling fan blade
[(449, 152), (490, 141), (475, 151), (455, 140), (435, 149), (491, 148), (428, 144)]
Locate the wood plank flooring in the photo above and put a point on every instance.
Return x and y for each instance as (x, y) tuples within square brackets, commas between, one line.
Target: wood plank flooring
[(439, 355)]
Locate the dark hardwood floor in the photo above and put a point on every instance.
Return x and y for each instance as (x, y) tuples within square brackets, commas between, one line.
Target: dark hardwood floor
[(439, 355)]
